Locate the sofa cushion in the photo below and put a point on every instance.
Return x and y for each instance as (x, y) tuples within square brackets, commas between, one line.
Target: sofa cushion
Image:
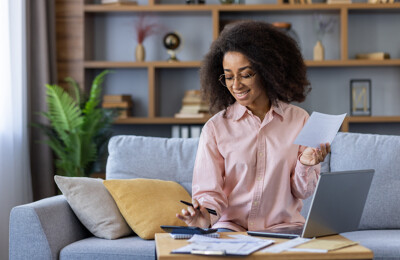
[(148, 204), (94, 206), (384, 243), (380, 152), (100, 249), (170, 159)]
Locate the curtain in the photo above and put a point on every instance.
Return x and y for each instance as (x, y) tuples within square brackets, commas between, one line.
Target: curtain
[(15, 184), (41, 71)]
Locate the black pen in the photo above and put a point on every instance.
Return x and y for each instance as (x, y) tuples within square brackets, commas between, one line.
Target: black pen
[(211, 211)]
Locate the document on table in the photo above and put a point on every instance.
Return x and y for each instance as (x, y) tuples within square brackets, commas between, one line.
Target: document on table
[(286, 245), (322, 245), (239, 246), (319, 128)]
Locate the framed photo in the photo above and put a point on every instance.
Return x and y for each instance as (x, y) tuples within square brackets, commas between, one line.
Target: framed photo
[(360, 97)]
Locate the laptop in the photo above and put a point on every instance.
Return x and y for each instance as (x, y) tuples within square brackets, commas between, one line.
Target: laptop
[(336, 207)]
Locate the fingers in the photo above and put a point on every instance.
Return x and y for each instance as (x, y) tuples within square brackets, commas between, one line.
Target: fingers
[(322, 152), (328, 147), (317, 155), (186, 215), (191, 211), (195, 203), (322, 149), (204, 212)]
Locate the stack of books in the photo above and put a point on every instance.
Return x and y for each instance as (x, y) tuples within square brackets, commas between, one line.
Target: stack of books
[(121, 102), (373, 56), (338, 1), (118, 2), (193, 105)]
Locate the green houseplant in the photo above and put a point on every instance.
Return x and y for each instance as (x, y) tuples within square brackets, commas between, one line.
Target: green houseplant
[(79, 129)]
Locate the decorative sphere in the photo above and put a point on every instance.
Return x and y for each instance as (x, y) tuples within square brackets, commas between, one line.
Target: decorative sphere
[(171, 41)]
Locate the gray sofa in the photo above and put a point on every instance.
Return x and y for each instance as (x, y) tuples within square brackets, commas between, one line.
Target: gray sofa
[(48, 229)]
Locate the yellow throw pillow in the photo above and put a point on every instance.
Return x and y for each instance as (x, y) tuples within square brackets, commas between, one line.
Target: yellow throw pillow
[(146, 204)]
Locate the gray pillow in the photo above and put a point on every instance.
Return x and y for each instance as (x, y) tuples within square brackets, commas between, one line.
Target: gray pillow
[(94, 206)]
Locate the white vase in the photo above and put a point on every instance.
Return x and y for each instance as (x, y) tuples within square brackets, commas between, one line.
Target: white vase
[(140, 52), (319, 52)]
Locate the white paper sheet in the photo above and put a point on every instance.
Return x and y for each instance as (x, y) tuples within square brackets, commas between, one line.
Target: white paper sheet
[(286, 245), (238, 246), (320, 128)]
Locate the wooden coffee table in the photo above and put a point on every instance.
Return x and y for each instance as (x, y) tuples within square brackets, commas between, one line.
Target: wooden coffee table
[(165, 244)]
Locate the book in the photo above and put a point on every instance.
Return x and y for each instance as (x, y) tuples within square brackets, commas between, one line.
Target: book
[(124, 113), (195, 131), (187, 236), (195, 106), (192, 110), (338, 1), (184, 131), (118, 2), (373, 56), (117, 98), (198, 115), (122, 104)]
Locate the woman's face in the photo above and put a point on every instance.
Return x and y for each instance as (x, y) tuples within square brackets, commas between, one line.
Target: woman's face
[(243, 83)]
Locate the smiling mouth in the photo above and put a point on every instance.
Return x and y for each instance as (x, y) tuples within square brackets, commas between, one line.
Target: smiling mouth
[(242, 93)]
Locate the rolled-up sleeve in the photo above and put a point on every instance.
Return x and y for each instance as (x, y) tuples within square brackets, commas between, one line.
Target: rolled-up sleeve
[(208, 174), (304, 180)]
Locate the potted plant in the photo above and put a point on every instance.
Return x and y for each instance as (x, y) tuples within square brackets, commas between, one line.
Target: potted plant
[(79, 129)]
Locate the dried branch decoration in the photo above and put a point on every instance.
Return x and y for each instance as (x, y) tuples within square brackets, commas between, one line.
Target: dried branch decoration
[(323, 25), (145, 28)]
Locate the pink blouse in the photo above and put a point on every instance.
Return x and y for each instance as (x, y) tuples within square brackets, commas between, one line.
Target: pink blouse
[(248, 170)]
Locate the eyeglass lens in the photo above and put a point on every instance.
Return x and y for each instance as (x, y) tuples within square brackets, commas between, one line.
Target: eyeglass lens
[(228, 80)]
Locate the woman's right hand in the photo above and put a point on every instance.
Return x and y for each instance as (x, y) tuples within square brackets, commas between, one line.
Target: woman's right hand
[(196, 216)]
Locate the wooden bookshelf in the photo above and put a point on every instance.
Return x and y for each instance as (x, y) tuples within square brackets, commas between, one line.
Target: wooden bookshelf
[(76, 19)]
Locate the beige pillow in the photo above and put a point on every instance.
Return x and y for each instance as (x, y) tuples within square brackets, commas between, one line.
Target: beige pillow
[(146, 204), (94, 206)]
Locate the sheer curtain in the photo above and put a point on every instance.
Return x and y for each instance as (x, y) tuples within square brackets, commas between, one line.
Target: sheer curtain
[(15, 180)]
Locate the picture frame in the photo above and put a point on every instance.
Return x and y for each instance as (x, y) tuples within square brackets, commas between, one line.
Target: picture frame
[(360, 97)]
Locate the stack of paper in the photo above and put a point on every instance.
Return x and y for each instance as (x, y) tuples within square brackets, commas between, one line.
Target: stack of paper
[(240, 246)]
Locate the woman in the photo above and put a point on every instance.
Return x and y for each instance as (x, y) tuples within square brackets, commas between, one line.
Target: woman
[(247, 167)]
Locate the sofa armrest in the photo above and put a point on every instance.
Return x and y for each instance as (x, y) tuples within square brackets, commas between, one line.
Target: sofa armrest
[(39, 230)]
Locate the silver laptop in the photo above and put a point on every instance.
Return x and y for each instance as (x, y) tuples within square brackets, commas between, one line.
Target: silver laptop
[(336, 207)]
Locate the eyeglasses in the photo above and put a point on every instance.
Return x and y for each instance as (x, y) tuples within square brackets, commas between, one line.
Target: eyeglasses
[(227, 80)]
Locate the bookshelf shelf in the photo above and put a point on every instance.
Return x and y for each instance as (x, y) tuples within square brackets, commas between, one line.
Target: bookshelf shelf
[(196, 64), (147, 64), (368, 119), (161, 120), (95, 8)]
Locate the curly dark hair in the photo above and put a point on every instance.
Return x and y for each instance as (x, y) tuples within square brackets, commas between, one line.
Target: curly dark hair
[(272, 54)]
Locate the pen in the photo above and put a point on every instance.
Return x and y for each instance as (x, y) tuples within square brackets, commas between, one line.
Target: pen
[(211, 211)]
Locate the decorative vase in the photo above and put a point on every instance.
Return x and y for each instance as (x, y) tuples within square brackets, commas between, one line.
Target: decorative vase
[(140, 52), (319, 53)]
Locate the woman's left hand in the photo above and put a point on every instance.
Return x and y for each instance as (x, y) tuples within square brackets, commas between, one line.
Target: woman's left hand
[(313, 156)]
